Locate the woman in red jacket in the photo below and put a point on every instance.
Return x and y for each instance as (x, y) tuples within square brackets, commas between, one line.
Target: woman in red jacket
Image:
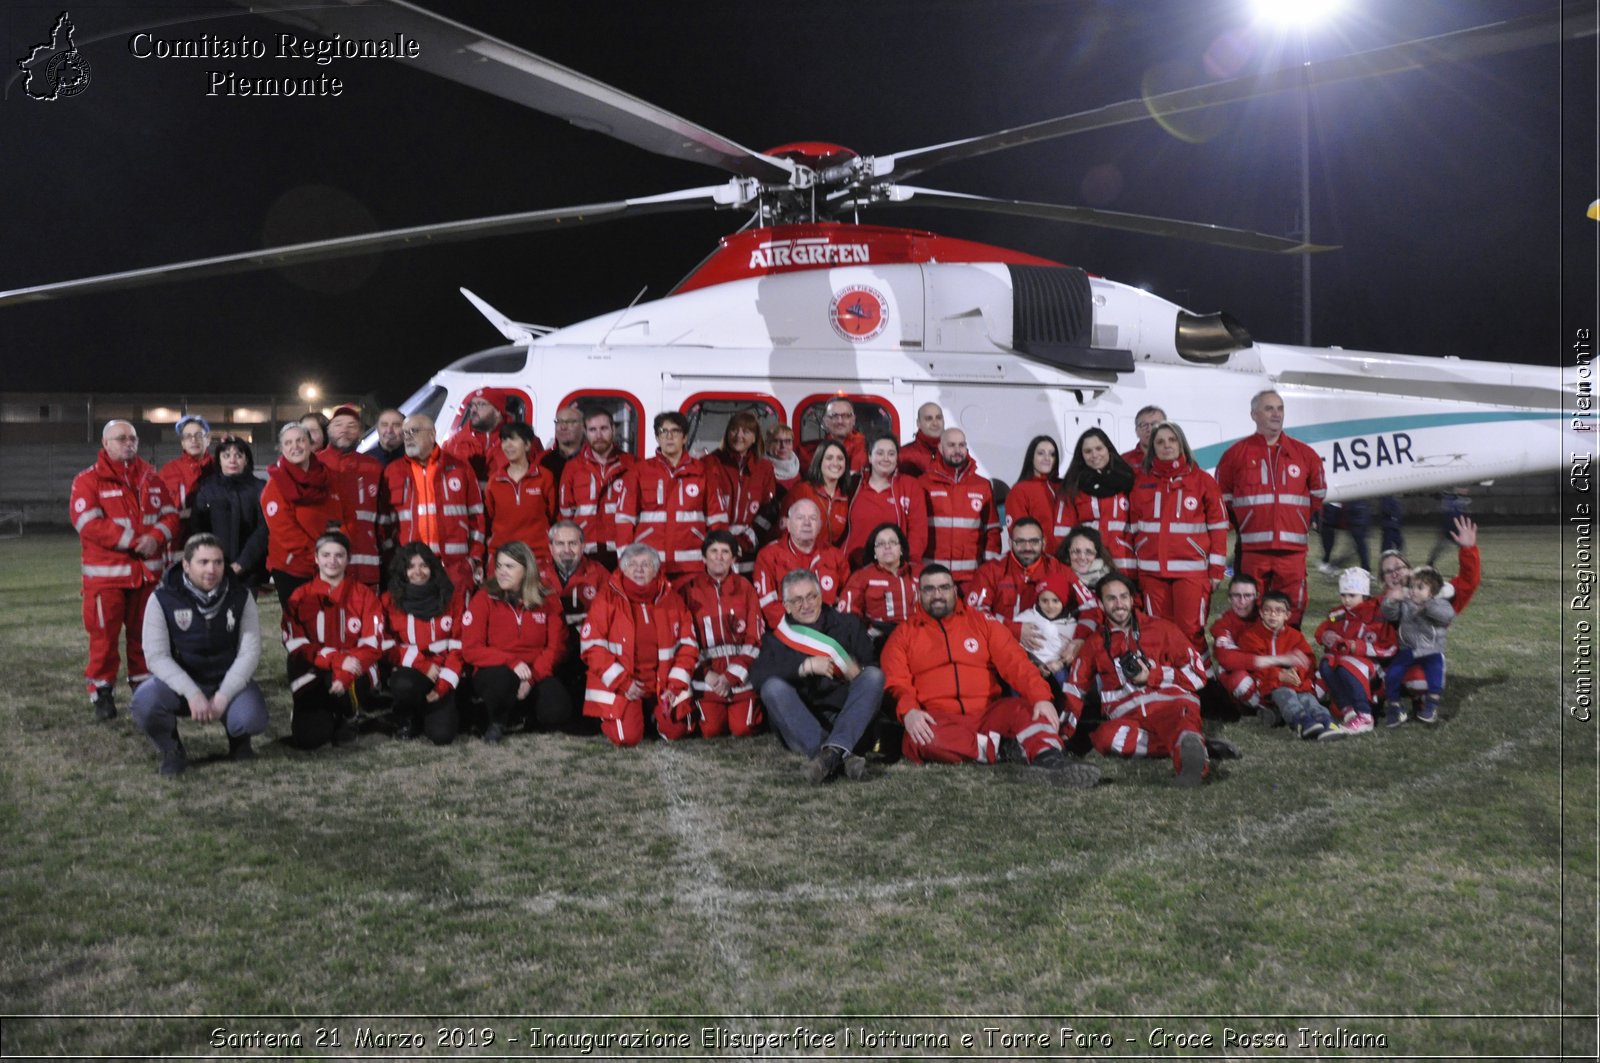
[(828, 483), (1180, 533), (422, 644), (750, 484), (520, 502), (1037, 492), (300, 503), (513, 636), (332, 634), (1096, 488), (884, 592), (885, 495)]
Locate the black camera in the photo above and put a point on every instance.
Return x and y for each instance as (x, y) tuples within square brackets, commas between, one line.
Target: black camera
[(1132, 663)]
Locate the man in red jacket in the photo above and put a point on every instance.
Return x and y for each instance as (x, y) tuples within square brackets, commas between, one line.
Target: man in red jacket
[(1007, 588), (839, 425), (182, 475), (671, 501), (356, 477), (125, 519), (1272, 487), (591, 484), (1144, 423), (429, 497), (800, 548), (477, 442), (921, 451), (1149, 677), (963, 523), (943, 668)]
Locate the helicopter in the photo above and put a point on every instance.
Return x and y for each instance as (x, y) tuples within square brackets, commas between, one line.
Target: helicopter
[(806, 303)]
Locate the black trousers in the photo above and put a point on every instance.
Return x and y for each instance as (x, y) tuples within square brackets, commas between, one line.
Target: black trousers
[(318, 712), (439, 720), (548, 704)]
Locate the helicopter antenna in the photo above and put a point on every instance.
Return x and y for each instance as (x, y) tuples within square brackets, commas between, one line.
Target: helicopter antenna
[(622, 315)]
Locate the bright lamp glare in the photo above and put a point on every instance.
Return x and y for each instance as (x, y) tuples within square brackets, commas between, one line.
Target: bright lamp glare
[(1297, 13)]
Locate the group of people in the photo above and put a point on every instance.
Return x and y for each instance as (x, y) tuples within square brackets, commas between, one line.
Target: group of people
[(853, 591)]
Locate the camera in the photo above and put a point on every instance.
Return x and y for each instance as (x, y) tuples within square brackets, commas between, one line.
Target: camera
[(1132, 663)]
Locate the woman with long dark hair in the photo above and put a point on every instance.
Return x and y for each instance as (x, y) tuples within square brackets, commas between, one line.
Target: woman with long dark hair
[(1095, 490), (886, 495), (828, 483), (514, 636), (422, 644), (747, 478), (1037, 492)]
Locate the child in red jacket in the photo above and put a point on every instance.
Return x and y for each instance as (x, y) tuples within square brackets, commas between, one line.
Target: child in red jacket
[(1283, 666)]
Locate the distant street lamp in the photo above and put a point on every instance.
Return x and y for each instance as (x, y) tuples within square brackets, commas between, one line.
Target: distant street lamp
[(1301, 17), (310, 393)]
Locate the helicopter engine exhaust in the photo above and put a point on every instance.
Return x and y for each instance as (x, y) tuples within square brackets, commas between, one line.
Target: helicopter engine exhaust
[(1210, 338)]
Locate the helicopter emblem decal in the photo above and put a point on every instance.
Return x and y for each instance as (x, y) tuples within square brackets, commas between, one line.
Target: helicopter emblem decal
[(858, 313)]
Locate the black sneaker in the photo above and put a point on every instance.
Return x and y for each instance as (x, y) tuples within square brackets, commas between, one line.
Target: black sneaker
[(105, 704), (1193, 760), (492, 734), (823, 766), (240, 748), (173, 761), (345, 733), (1222, 749), (855, 768), (1011, 752), (1055, 767)]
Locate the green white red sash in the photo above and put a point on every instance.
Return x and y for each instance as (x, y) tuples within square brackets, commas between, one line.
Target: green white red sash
[(812, 643)]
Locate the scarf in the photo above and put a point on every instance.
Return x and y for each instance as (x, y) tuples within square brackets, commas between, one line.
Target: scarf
[(1175, 469), (208, 601), (1115, 479), (301, 487), (427, 601), (811, 642), (786, 468)]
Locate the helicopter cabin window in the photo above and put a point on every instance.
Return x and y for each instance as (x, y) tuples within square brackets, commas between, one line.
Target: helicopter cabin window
[(874, 417), (709, 414), (624, 410)]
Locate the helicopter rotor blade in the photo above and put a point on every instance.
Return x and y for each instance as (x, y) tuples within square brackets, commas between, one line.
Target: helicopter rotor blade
[(1513, 34), (366, 243), (459, 53), (1217, 235)]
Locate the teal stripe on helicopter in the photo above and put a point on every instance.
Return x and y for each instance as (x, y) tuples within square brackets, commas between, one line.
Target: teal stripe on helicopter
[(1207, 457)]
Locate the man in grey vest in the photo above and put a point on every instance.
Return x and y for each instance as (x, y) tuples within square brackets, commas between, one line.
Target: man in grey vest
[(202, 643)]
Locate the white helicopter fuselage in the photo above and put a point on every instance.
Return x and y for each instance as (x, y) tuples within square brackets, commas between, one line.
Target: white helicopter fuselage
[(907, 334)]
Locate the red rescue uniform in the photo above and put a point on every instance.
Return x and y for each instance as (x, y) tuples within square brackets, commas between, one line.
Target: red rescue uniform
[(670, 508), (590, 489), (644, 635), (113, 505), (963, 523), (1271, 492), (435, 502), (727, 626), (777, 560), (748, 486), (357, 479), (902, 503), (182, 476), (299, 505), (1180, 543), (1005, 590), (424, 644), (521, 510)]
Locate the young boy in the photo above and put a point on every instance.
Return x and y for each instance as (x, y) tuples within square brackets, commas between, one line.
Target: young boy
[(1421, 617), (1282, 663), (1354, 638)]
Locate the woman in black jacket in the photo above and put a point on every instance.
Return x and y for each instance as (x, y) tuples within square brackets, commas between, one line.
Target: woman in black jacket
[(228, 505)]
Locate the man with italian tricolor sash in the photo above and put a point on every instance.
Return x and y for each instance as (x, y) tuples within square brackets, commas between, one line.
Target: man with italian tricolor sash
[(819, 680)]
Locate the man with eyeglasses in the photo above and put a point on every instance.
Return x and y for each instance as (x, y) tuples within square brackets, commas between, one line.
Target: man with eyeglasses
[(182, 475), (568, 441), (1009, 587), (432, 498), (591, 483), (670, 501), (476, 443), (839, 425), (125, 520), (943, 668), (1144, 423), (819, 680)]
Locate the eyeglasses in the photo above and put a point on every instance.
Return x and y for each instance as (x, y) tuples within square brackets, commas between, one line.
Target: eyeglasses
[(411, 433), (839, 415), (669, 432), (1241, 595), (190, 437), (804, 599), (564, 423), (122, 439), (1035, 541), (937, 588)]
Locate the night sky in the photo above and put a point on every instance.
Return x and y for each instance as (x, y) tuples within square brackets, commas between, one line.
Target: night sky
[(1457, 193)]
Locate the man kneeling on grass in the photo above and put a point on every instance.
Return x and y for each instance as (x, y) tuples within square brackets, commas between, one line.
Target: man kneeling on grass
[(943, 667), (202, 640), (817, 664)]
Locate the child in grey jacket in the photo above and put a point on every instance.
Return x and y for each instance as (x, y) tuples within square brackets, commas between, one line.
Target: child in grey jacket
[(1421, 617)]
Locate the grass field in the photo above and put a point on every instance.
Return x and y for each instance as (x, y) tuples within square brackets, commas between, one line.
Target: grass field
[(1436, 887)]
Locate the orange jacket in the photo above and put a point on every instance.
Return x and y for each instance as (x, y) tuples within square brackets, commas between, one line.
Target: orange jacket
[(954, 666)]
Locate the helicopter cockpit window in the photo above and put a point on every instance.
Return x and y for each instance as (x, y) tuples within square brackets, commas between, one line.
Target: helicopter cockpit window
[(709, 416), (874, 417), (624, 409), (428, 401)]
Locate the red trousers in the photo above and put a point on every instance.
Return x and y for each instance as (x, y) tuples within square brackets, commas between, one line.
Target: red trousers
[(1150, 731), (1279, 572), (1185, 602), (106, 612), (959, 738), (738, 714), (627, 729)]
